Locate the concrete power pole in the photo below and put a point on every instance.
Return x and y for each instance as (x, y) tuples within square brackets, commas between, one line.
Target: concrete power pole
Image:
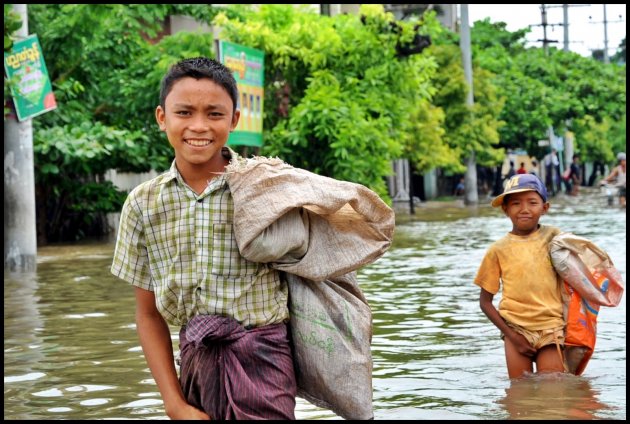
[(20, 234), (606, 22), (606, 58), (565, 22), (565, 16), (470, 180)]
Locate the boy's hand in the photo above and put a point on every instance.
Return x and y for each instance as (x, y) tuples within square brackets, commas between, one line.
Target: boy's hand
[(188, 412), (522, 345)]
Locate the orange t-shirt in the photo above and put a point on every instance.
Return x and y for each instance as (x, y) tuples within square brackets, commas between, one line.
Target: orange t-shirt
[(531, 288)]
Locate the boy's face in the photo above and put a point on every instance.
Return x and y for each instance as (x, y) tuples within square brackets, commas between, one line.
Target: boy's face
[(524, 210), (197, 119)]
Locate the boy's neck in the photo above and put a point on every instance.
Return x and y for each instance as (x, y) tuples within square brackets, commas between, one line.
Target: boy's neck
[(524, 234), (198, 176)]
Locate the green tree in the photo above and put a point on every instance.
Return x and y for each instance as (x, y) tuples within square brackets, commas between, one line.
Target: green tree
[(600, 140), (104, 63), (467, 129), (558, 89), (620, 55), (342, 96)]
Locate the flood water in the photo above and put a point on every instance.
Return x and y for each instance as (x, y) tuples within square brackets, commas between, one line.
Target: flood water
[(71, 350)]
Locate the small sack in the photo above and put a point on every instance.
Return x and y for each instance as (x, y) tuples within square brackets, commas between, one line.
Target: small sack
[(590, 281), (331, 330), (586, 268)]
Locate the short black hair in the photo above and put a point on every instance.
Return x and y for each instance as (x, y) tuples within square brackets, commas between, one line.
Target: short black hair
[(198, 68)]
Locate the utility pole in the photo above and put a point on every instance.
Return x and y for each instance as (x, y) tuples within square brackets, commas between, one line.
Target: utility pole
[(565, 27), (565, 22), (606, 59), (606, 22), (568, 137), (20, 234), (545, 24), (470, 180), (546, 41)]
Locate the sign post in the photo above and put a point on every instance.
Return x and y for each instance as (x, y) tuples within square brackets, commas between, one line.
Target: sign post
[(29, 82), (248, 65)]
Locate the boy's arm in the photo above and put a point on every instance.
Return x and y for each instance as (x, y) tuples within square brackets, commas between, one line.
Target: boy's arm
[(155, 338), (485, 302)]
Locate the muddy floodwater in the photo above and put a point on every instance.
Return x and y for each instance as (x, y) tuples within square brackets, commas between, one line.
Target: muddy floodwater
[(71, 349)]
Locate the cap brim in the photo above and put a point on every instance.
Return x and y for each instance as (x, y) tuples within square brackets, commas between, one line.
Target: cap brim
[(498, 201)]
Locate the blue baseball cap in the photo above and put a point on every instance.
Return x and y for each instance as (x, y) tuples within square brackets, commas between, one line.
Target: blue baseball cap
[(520, 183)]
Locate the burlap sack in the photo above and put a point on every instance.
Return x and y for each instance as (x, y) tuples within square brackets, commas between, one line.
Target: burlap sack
[(349, 226), (331, 330), (319, 231)]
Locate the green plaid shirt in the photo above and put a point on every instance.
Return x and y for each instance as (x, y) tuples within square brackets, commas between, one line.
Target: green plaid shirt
[(181, 246)]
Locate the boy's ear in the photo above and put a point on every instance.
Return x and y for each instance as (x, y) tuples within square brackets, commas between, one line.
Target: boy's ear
[(235, 118), (546, 206), (160, 117)]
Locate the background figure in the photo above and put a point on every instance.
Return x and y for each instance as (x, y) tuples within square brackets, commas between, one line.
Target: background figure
[(497, 186), (575, 176), (534, 170), (460, 188), (511, 171), (618, 176), (552, 172), (598, 169), (521, 169)]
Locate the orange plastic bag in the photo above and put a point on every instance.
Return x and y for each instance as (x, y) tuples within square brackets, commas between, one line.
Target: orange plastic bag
[(581, 327)]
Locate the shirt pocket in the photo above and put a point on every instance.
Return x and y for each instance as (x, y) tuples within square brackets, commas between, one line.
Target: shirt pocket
[(226, 258)]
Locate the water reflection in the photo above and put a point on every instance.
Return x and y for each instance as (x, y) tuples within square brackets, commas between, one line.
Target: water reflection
[(71, 349), (551, 397)]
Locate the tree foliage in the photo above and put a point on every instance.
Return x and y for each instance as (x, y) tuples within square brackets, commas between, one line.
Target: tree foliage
[(341, 97), (558, 89), (105, 63)]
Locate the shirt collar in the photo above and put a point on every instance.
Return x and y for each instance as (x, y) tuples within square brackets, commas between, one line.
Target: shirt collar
[(219, 181)]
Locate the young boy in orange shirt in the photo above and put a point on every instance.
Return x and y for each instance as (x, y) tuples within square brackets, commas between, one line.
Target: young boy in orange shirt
[(530, 312)]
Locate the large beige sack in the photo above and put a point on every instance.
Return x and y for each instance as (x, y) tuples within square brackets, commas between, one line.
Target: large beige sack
[(319, 231)]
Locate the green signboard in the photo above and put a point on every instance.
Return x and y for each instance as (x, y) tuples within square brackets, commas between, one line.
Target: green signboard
[(249, 71), (30, 85)]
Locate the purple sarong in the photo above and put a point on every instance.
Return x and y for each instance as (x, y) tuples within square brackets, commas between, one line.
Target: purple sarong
[(233, 373)]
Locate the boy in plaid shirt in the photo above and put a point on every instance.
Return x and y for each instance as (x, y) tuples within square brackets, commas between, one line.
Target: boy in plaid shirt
[(177, 248)]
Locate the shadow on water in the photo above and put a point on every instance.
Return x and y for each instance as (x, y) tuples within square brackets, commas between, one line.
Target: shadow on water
[(71, 349)]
